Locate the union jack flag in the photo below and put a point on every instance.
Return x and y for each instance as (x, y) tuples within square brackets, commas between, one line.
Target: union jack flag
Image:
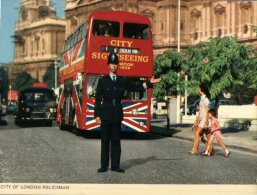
[(74, 54), (135, 116)]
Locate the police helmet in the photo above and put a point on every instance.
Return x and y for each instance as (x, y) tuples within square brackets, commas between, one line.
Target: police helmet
[(113, 59)]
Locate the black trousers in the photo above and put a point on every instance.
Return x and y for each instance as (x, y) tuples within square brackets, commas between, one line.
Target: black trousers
[(110, 138)]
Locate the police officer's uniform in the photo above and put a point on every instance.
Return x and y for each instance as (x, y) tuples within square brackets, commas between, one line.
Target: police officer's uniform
[(108, 107)]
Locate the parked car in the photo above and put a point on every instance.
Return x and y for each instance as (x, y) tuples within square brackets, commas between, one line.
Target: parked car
[(213, 104), (11, 107), (192, 107)]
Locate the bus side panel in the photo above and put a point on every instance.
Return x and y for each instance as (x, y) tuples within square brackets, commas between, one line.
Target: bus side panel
[(150, 93), (65, 110), (60, 104), (77, 106), (90, 119), (136, 116)]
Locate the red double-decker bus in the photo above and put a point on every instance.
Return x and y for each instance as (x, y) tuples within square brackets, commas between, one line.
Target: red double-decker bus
[(84, 61)]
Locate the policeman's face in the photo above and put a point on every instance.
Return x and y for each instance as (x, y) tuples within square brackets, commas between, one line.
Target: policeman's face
[(113, 68)]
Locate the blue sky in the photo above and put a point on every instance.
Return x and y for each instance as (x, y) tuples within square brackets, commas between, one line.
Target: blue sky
[(9, 11)]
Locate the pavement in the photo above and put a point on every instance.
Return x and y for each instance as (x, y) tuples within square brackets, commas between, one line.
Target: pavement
[(232, 138)]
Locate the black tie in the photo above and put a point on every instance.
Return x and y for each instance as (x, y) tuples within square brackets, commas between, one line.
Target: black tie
[(114, 78)]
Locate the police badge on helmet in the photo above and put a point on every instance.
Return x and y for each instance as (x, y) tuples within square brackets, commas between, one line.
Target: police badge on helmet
[(113, 59)]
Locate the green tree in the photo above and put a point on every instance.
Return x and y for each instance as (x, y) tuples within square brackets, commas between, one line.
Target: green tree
[(168, 67), (222, 64), (49, 76), (23, 80)]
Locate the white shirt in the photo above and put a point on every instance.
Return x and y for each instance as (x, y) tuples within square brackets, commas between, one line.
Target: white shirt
[(113, 76), (204, 101)]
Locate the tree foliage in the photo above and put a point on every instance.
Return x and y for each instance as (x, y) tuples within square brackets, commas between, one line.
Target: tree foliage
[(49, 76), (168, 66), (223, 64), (24, 80)]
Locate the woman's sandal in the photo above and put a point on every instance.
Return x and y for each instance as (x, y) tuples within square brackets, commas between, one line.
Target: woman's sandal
[(227, 154), (204, 154), (191, 152)]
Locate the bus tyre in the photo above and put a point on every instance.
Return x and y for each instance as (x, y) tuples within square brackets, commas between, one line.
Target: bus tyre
[(76, 131), (62, 127)]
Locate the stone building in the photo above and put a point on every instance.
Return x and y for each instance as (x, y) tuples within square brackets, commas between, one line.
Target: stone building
[(199, 19), (39, 36)]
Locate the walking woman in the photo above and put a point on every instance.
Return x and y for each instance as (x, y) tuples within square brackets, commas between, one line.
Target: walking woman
[(203, 117)]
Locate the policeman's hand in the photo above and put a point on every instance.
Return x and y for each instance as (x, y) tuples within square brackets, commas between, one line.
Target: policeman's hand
[(98, 120), (153, 80), (145, 85)]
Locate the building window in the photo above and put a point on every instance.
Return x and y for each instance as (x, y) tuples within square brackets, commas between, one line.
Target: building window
[(182, 26), (195, 35), (245, 29), (219, 33), (37, 44), (43, 44), (32, 48), (162, 26)]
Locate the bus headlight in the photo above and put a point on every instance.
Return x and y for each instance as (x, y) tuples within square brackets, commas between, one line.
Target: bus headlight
[(135, 111)]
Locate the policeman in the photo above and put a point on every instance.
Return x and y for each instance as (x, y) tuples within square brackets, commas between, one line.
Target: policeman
[(109, 113)]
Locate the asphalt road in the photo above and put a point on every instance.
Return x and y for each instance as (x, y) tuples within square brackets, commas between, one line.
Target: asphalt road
[(48, 155)]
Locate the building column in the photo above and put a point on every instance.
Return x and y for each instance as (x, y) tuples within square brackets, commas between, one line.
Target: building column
[(210, 19), (228, 14), (254, 14), (204, 23), (239, 22), (48, 43), (233, 18)]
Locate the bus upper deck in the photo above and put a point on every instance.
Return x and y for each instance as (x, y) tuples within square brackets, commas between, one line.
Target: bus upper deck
[(129, 35)]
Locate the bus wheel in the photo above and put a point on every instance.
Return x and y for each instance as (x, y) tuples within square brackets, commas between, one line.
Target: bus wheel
[(62, 126), (76, 131)]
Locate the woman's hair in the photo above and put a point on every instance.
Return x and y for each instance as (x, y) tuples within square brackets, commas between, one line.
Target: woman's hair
[(205, 90), (213, 112)]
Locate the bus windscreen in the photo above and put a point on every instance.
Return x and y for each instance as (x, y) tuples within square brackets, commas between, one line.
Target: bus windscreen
[(128, 94), (136, 31), (38, 96), (106, 28)]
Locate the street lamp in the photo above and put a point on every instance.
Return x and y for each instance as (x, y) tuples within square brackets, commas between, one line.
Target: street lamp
[(178, 49), (55, 72)]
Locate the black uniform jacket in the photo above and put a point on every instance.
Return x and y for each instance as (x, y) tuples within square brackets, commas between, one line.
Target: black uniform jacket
[(109, 94)]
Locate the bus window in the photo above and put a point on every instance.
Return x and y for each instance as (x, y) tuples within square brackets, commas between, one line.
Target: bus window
[(136, 31), (73, 37), (106, 28), (69, 43), (68, 87), (91, 85), (134, 94), (76, 37), (80, 34), (65, 45), (128, 95), (81, 86), (84, 30)]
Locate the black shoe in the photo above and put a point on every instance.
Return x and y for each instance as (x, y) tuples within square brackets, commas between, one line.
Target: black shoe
[(101, 170), (119, 170)]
